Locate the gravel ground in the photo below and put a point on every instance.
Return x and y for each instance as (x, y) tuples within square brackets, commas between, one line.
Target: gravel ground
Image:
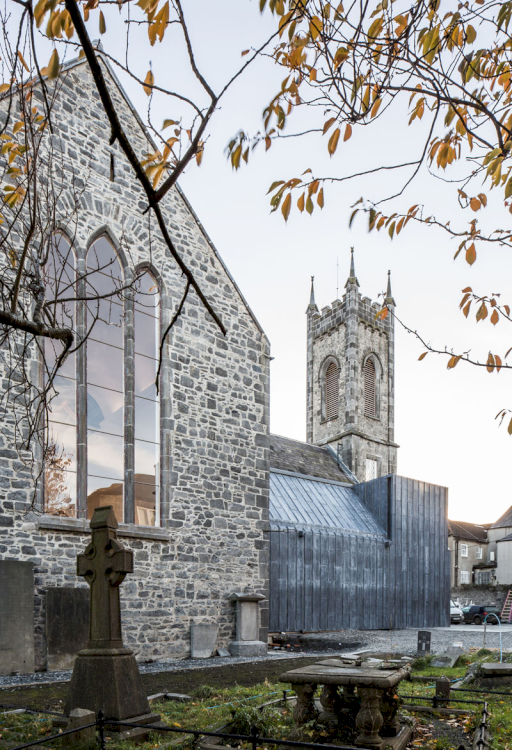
[(321, 644)]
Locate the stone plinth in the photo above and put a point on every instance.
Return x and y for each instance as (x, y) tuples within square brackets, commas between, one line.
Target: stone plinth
[(16, 617), (247, 641)]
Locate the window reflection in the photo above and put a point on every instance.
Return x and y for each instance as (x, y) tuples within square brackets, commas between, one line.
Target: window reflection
[(104, 365), (105, 410), (104, 492), (60, 457), (147, 427)]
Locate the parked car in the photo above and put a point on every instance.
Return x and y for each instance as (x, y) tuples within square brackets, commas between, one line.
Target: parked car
[(455, 613), (476, 614)]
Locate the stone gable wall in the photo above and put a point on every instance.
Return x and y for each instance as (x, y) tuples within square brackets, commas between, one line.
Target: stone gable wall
[(214, 403)]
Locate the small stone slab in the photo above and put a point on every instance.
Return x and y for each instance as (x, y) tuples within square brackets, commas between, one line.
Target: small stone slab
[(444, 660), (203, 636), (223, 652), (496, 668)]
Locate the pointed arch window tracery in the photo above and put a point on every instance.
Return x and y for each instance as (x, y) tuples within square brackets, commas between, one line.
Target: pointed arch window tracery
[(108, 399)]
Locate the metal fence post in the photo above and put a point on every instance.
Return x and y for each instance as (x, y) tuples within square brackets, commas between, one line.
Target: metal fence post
[(254, 737), (100, 723)]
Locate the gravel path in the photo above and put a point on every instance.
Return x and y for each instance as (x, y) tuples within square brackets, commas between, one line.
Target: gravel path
[(312, 644)]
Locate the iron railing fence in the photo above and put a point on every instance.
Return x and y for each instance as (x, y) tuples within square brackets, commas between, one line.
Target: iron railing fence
[(103, 724)]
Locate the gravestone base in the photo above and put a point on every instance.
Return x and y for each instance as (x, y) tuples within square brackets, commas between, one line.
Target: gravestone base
[(247, 648), (108, 680)]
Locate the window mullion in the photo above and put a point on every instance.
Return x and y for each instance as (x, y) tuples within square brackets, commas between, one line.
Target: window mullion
[(129, 410), (81, 396)]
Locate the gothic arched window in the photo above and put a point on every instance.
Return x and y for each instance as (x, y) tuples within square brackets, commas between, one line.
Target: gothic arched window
[(371, 386), (105, 379), (331, 391), (106, 409), (60, 448)]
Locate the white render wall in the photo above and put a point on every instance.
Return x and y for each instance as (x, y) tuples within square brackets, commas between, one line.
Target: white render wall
[(214, 402)]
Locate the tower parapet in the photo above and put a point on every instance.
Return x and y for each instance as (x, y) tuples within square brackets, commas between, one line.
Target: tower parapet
[(350, 400)]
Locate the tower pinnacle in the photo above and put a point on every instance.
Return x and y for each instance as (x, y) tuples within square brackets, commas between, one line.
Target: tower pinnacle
[(389, 301), (352, 279), (312, 304)]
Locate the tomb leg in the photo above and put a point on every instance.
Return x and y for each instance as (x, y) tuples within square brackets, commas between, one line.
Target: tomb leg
[(389, 710), (369, 719), (331, 702), (305, 707)]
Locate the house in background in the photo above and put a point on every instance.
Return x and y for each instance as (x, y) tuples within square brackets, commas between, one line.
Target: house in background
[(481, 554)]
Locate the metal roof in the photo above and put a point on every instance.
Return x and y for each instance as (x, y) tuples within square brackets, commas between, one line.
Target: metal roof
[(306, 501)]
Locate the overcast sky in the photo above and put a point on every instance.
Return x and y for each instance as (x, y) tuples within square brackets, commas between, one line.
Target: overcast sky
[(444, 419)]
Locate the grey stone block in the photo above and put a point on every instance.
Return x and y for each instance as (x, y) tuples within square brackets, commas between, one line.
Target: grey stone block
[(223, 652), (444, 660), (495, 668), (203, 637), (80, 717), (247, 648), (67, 625), (16, 617)]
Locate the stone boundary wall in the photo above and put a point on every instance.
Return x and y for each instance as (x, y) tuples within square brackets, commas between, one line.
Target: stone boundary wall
[(484, 594)]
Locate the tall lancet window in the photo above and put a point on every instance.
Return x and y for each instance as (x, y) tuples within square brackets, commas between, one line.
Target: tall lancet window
[(370, 389), (105, 379), (147, 421), (331, 391), (60, 460)]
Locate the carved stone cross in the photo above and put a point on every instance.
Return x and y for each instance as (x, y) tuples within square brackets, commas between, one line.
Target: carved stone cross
[(104, 565)]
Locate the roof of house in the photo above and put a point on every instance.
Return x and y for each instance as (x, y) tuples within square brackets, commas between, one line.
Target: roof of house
[(507, 538), (505, 520), (313, 502), (466, 530), (303, 458)]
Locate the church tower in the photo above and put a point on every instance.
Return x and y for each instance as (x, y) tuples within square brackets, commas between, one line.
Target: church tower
[(351, 380)]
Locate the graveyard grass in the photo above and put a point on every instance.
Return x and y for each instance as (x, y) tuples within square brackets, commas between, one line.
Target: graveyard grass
[(213, 708)]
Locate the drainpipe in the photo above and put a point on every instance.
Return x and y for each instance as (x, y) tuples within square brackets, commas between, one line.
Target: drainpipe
[(456, 565)]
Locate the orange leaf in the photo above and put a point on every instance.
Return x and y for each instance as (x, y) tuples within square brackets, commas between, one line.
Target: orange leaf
[(148, 83), (471, 254), (490, 363), (494, 317), (333, 142), (320, 199), (475, 204), (287, 204), (348, 132), (453, 361), (422, 356)]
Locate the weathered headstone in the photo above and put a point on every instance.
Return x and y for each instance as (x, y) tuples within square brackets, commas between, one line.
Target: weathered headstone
[(424, 640), (85, 738), (247, 641), (105, 676), (447, 660), (203, 636), (67, 625), (16, 616)]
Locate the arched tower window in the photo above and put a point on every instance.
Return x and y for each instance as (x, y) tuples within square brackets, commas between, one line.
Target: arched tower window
[(60, 454), (371, 384), (331, 394)]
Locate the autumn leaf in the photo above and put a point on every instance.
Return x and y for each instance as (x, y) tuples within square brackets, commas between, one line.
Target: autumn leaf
[(333, 142), (22, 61), (475, 204), (52, 71), (422, 356), (490, 363), (348, 132), (300, 203), (494, 317), (285, 208), (452, 362), (320, 199), (102, 24), (148, 83), (471, 254)]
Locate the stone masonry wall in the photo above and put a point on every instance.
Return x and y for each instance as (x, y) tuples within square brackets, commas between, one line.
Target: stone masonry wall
[(214, 412), (359, 436)]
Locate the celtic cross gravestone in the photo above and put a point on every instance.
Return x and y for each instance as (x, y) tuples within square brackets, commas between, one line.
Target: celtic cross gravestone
[(105, 676)]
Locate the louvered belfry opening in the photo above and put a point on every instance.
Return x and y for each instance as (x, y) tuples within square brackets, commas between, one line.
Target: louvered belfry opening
[(369, 389), (331, 391)]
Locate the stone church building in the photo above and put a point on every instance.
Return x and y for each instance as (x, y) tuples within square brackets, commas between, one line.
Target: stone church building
[(204, 495)]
